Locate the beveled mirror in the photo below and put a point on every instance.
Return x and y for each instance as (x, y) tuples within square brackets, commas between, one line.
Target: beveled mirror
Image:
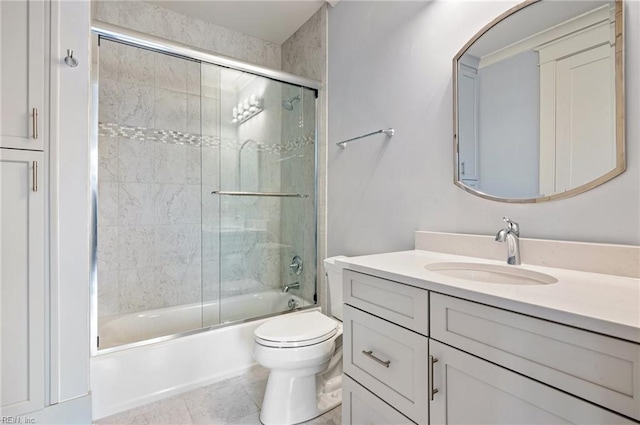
[(539, 102)]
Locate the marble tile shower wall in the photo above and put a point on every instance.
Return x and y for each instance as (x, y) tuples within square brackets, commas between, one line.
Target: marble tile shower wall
[(155, 20), (304, 53), (298, 176)]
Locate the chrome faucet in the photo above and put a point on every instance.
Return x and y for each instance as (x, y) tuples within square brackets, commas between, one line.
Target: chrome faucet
[(295, 285), (511, 235)]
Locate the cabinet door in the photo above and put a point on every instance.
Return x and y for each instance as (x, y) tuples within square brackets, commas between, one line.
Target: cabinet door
[(473, 391), (23, 72), (22, 284), (585, 117), (360, 406)]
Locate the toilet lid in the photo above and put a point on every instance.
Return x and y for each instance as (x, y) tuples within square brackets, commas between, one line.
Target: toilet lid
[(296, 330)]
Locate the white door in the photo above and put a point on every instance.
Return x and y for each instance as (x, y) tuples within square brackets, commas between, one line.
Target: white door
[(22, 281), (22, 46), (585, 117), (467, 125), (474, 391)]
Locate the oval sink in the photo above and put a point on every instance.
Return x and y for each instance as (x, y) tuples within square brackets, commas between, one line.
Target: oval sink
[(491, 273)]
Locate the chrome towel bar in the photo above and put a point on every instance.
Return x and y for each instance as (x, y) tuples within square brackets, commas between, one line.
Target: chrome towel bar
[(273, 194), (389, 132)]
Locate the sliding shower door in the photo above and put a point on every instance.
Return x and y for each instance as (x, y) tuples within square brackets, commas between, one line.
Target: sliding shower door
[(149, 194), (205, 183), (266, 196)]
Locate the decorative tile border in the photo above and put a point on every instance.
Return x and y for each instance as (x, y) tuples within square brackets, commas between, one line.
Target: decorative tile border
[(190, 139)]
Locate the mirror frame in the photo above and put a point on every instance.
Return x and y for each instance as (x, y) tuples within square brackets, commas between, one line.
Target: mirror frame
[(620, 112)]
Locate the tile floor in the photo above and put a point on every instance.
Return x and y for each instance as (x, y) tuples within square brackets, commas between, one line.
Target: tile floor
[(234, 401)]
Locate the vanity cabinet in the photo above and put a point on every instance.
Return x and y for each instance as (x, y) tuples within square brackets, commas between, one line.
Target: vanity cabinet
[(466, 362), (23, 73)]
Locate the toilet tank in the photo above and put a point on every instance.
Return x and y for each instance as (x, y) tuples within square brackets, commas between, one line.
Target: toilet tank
[(334, 288)]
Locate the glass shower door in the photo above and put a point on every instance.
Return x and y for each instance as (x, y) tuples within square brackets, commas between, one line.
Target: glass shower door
[(149, 196), (266, 196)]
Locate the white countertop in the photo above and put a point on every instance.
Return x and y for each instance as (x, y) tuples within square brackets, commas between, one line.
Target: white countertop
[(601, 303)]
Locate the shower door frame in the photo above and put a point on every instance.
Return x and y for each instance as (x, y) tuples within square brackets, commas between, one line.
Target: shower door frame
[(133, 38)]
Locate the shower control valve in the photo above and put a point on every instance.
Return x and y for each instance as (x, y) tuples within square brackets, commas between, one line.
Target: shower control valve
[(296, 266)]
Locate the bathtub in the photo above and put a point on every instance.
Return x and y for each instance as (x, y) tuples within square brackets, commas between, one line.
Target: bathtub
[(126, 377), (128, 328)]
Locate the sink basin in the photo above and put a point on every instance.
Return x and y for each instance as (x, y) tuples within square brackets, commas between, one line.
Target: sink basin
[(491, 273)]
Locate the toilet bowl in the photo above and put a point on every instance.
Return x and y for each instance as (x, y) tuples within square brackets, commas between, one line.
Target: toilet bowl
[(304, 354)]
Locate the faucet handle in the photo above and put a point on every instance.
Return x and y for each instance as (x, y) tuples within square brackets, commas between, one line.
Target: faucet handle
[(512, 225)]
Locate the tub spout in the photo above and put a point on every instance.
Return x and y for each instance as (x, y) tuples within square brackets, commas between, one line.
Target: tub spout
[(295, 285)]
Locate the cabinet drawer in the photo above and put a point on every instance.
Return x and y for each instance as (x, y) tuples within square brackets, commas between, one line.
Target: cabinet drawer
[(601, 369), (402, 381), (360, 406), (474, 391), (402, 304)]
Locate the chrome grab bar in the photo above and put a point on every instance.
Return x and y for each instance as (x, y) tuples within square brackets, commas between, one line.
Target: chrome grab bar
[(273, 194), (389, 132)]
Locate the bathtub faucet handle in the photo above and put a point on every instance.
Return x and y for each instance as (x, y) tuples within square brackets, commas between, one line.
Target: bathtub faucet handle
[(296, 266)]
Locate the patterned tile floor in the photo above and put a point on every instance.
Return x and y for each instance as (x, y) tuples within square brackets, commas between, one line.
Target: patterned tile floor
[(234, 401)]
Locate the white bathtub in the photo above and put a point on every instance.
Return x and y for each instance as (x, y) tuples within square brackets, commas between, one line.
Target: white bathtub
[(127, 328), (122, 379)]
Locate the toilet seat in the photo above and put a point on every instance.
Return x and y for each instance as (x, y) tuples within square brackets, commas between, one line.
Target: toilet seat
[(296, 330)]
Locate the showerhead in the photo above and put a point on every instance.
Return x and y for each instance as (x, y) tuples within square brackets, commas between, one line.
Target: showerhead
[(290, 103)]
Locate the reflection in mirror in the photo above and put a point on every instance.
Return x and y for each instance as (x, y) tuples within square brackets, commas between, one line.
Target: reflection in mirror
[(539, 105)]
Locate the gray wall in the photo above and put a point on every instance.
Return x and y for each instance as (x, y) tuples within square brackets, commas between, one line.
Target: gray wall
[(509, 110), (390, 66)]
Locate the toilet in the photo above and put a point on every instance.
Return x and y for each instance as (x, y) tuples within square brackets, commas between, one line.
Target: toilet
[(304, 354)]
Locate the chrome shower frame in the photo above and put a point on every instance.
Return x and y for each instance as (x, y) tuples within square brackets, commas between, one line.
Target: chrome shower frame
[(137, 39)]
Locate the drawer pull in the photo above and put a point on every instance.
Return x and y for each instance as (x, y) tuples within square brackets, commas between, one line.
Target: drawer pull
[(369, 354), (433, 391)]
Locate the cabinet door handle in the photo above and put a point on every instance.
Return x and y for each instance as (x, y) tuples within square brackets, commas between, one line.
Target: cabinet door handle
[(34, 122), (433, 391), (369, 354), (462, 167), (35, 176)]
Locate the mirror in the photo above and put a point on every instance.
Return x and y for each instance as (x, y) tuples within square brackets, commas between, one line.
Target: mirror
[(539, 102)]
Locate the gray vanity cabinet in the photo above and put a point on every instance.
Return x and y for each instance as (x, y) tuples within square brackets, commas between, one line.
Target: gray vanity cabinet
[(416, 356)]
